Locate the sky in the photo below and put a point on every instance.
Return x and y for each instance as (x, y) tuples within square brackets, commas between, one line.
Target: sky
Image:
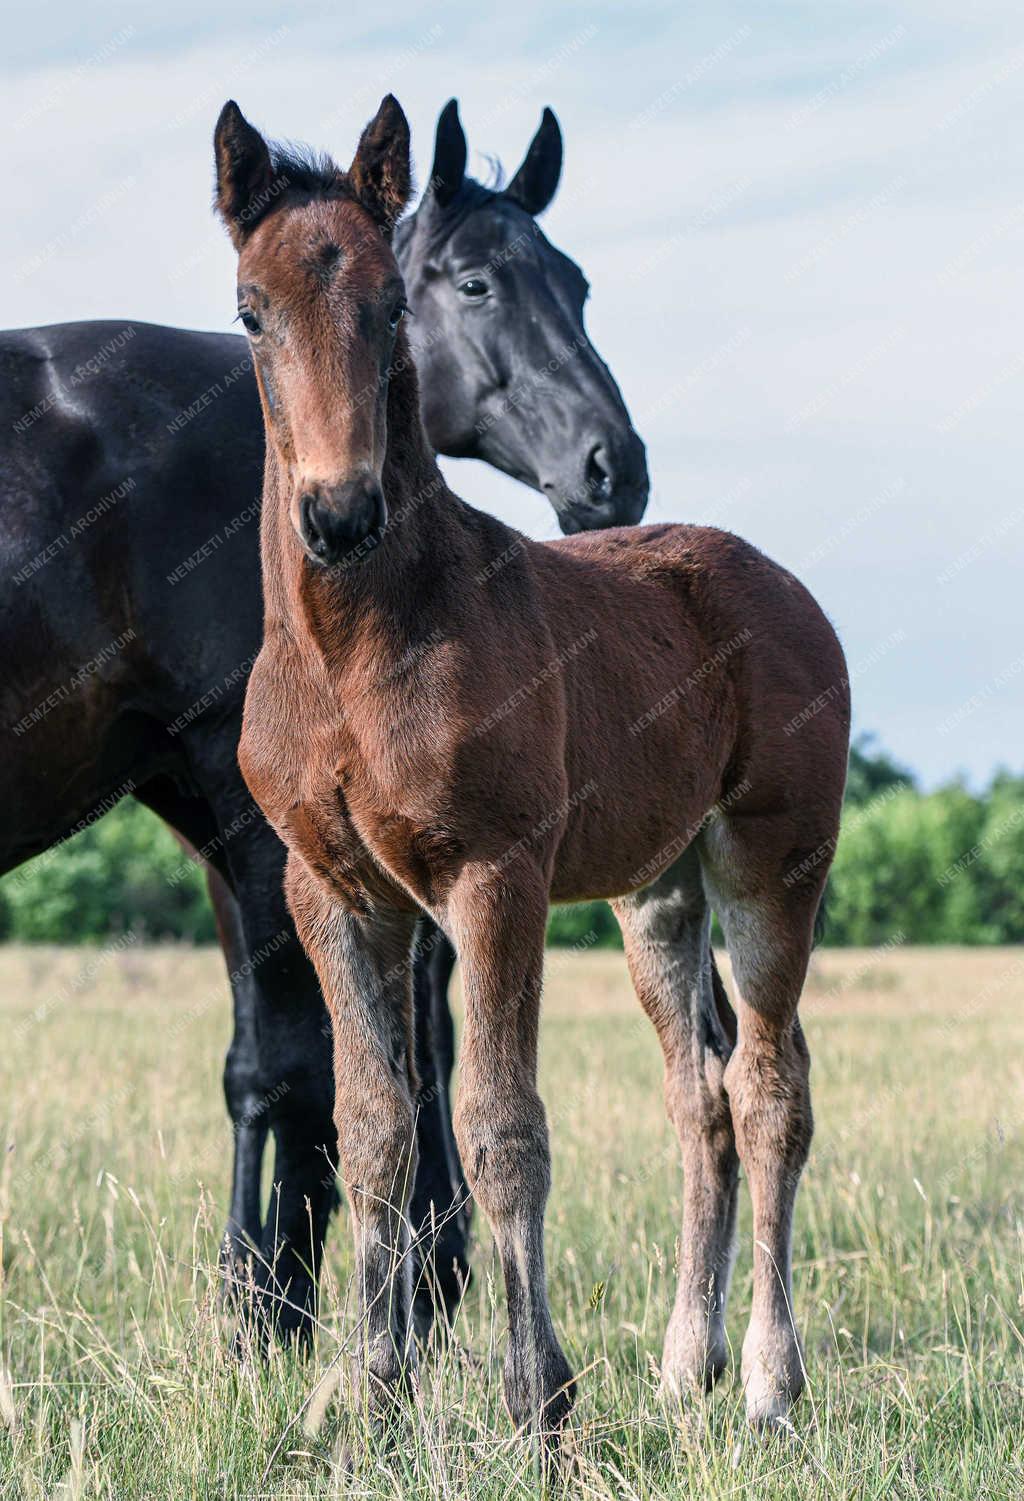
[(803, 225)]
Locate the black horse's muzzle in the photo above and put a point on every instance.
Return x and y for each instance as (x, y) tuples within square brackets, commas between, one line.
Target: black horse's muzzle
[(610, 489), (344, 524)]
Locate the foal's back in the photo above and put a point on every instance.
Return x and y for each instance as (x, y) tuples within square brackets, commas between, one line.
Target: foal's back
[(690, 663)]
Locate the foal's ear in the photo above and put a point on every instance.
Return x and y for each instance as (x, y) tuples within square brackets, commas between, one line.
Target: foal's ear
[(533, 186), (449, 155), (244, 172), (380, 175)]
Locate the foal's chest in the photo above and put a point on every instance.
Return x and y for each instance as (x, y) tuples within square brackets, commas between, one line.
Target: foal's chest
[(341, 805)]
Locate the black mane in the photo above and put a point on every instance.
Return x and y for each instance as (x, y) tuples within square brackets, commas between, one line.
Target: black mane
[(471, 195), (301, 172), (309, 173)]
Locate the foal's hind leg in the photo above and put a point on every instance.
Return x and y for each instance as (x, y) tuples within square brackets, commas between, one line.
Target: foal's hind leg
[(768, 927), (666, 929)]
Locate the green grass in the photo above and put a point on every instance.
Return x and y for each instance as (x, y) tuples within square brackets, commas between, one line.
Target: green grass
[(908, 1278)]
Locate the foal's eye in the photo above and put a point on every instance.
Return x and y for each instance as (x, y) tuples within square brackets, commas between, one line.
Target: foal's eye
[(473, 288), (398, 313), (249, 320)]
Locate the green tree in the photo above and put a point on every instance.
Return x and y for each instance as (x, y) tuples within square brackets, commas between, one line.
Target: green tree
[(585, 925), (872, 771), (126, 871), (941, 867), (1000, 876)]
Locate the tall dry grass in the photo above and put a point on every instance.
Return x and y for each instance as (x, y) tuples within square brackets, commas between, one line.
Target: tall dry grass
[(117, 1379)]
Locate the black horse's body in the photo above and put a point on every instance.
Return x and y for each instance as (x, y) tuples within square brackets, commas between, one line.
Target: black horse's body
[(131, 613)]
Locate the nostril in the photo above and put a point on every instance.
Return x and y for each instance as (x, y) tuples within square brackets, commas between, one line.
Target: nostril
[(315, 539), (345, 522), (600, 481)]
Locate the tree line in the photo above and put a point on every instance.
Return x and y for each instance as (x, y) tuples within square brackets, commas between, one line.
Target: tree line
[(945, 866)]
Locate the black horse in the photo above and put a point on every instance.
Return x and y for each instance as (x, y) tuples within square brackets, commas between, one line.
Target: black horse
[(131, 613)]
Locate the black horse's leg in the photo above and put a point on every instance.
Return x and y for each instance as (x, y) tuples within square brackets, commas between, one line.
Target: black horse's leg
[(295, 1089), (193, 820), (440, 1199), (280, 1012), (297, 1101), (278, 1075), (441, 964), (244, 1233)]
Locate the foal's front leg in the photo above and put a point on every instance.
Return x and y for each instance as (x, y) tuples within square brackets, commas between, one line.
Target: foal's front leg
[(500, 1124), (364, 970)]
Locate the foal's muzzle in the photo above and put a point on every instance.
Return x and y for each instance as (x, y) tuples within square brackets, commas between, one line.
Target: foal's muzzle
[(344, 524)]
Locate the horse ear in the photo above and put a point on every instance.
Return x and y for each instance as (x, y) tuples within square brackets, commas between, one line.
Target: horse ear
[(380, 175), (449, 155), (533, 186), (244, 170)]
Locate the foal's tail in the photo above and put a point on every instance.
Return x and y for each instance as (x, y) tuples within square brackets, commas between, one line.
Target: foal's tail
[(726, 1015)]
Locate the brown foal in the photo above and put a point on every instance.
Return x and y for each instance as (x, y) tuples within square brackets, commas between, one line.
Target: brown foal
[(447, 717)]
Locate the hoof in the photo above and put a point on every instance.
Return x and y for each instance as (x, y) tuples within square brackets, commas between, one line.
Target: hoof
[(560, 1385), (770, 1390), (692, 1366), (267, 1316)]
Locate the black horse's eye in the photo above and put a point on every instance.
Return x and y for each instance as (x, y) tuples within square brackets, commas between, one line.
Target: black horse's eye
[(473, 288), (398, 313), (250, 322)]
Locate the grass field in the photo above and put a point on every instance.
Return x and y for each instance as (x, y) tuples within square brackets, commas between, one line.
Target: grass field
[(909, 1271)]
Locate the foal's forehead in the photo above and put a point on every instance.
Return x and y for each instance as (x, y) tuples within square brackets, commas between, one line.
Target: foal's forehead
[(326, 243)]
